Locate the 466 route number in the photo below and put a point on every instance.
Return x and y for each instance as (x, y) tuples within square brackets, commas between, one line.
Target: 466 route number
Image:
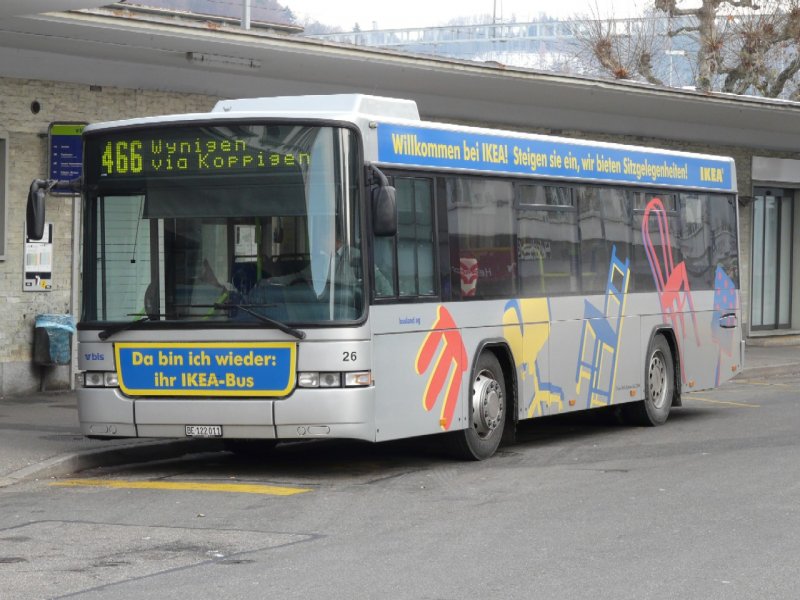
[(122, 157)]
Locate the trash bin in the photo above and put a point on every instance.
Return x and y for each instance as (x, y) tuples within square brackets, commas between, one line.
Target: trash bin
[(52, 339)]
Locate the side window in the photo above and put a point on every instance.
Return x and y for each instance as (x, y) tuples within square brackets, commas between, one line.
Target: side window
[(482, 242), (605, 227), (656, 251), (547, 240), (695, 240), (724, 250), (404, 264)]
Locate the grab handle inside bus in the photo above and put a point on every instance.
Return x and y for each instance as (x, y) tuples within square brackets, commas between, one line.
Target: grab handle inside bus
[(384, 204)]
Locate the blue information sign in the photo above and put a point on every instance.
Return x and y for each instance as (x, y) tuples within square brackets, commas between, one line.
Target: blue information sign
[(66, 151), (211, 369), (441, 148)]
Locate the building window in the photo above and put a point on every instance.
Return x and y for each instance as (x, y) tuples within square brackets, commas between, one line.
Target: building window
[(771, 302)]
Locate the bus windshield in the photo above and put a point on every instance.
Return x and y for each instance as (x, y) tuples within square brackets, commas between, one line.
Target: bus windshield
[(222, 223)]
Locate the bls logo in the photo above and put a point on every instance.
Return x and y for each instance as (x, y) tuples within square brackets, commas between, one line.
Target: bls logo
[(451, 360)]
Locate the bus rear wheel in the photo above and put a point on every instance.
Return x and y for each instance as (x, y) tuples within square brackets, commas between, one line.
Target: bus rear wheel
[(487, 412), (659, 383)]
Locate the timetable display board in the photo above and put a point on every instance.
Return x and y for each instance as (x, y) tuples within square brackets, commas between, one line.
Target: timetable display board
[(66, 153)]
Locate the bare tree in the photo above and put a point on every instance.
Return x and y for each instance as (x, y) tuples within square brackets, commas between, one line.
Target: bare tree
[(622, 48), (735, 46)]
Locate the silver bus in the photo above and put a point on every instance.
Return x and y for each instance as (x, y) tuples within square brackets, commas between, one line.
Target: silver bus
[(334, 267)]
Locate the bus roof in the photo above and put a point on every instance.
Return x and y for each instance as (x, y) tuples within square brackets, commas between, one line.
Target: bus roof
[(394, 135)]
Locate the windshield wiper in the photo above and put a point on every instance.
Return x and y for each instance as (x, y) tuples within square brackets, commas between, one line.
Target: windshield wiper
[(120, 327), (114, 329), (264, 319)]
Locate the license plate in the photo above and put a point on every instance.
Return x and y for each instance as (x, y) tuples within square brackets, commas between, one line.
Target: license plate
[(204, 431)]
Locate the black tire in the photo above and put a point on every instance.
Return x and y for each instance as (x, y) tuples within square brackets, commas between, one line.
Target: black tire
[(487, 412), (659, 386)]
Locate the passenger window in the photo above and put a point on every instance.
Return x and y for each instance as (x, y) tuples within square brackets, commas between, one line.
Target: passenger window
[(605, 228), (547, 240), (482, 243), (722, 220), (655, 241), (404, 264)]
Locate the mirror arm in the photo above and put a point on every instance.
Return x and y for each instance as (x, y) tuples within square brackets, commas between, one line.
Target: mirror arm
[(376, 174), (45, 185)]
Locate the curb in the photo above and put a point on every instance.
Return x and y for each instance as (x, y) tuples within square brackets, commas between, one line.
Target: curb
[(785, 369), (67, 464)]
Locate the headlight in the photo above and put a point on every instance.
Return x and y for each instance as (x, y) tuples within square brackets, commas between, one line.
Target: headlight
[(308, 380), (93, 379), (333, 379), (329, 380), (100, 379)]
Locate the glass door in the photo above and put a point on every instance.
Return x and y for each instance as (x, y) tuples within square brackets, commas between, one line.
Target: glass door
[(772, 258)]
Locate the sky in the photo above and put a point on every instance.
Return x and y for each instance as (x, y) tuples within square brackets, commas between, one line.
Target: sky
[(430, 13)]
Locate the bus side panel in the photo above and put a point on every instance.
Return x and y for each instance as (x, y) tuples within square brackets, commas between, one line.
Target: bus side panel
[(708, 338), (595, 352), (423, 355), (526, 328), (420, 366)]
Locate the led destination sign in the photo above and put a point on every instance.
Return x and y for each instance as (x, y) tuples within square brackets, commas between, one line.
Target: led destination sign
[(190, 151)]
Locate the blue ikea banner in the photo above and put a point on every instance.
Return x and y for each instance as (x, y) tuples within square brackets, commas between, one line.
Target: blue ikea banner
[(439, 148), (211, 369)]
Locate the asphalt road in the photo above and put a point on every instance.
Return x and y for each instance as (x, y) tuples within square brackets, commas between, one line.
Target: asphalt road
[(705, 507)]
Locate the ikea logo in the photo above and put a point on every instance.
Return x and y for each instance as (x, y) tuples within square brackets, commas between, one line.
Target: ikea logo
[(712, 174)]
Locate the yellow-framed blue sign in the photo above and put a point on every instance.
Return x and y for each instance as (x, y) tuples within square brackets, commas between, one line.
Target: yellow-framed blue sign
[(459, 149), (254, 369)]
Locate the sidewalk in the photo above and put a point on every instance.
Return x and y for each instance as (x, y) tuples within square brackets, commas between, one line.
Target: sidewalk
[(40, 436)]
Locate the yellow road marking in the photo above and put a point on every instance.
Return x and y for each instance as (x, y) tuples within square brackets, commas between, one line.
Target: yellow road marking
[(763, 383), (241, 488), (728, 403)]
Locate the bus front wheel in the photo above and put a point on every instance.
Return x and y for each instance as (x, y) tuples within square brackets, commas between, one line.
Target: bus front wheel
[(487, 412), (659, 384)]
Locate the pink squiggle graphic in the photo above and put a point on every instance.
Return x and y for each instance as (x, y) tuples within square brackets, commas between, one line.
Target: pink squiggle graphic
[(724, 319), (671, 280)]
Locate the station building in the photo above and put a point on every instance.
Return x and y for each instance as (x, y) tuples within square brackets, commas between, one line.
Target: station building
[(89, 62)]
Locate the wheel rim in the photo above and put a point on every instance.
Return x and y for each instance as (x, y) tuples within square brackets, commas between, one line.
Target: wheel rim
[(487, 404), (657, 379)]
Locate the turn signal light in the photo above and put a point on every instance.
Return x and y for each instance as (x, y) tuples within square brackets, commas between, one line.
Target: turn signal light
[(358, 379)]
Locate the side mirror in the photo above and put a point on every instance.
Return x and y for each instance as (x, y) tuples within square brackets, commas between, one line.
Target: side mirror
[(34, 214), (384, 204), (277, 231), (384, 211)]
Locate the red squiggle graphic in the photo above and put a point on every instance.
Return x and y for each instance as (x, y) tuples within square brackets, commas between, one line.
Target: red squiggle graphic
[(671, 280), (449, 367)]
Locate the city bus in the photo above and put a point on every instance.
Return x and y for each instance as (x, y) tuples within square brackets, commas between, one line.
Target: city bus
[(311, 267)]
